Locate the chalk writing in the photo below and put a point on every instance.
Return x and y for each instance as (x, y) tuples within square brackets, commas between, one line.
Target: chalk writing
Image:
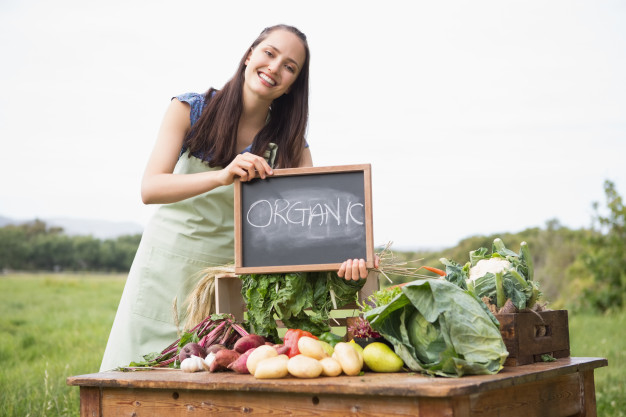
[(266, 213)]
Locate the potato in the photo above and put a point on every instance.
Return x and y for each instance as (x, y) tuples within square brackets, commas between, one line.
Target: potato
[(274, 367), (330, 367), (311, 348), (258, 354), (350, 360), (302, 366), (240, 365), (248, 342), (223, 358)]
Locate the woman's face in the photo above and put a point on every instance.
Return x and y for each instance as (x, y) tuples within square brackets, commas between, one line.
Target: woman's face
[(274, 64)]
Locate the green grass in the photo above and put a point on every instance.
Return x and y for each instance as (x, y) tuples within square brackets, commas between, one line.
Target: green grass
[(53, 326), (56, 325), (603, 336)]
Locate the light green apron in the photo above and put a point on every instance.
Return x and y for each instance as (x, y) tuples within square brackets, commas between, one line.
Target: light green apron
[(180, 241)]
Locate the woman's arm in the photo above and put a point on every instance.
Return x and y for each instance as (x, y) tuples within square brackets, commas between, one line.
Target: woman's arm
[(160, 185)]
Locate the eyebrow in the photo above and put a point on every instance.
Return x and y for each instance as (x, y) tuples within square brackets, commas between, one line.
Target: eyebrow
[(289, 59)]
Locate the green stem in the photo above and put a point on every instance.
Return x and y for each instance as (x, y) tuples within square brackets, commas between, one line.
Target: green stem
[(533, 298), (525, 257), (500, 298), (519, 278)]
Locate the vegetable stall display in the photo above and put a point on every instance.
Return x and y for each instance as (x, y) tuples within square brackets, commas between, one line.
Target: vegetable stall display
[(442, 326)]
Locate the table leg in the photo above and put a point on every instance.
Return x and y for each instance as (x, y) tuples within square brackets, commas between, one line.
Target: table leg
[(90, 402)]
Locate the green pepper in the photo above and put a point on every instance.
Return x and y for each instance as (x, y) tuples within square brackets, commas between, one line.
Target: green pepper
[(331, 338)]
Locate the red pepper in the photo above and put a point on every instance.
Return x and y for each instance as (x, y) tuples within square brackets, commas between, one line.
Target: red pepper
[(291, 340)]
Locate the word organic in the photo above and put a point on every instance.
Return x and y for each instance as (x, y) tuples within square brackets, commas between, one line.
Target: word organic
[(267, 213)]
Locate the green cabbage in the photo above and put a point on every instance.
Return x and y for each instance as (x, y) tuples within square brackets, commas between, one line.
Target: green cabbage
[(440, 329)]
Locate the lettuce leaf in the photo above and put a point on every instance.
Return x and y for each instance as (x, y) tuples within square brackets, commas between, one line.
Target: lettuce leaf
[(286, 297), (468, 341)]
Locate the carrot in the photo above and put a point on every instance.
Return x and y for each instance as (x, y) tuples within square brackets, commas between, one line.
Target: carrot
[(397, 285), (435, 270)]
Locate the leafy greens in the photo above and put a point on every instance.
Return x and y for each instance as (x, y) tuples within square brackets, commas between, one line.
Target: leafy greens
[(438, 328), (285, 297)]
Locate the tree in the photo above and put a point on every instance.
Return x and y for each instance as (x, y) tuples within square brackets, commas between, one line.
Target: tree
[(606, 255)]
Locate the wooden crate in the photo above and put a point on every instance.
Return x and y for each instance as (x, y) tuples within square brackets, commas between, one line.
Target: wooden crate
[(529, 335), (228, 299)]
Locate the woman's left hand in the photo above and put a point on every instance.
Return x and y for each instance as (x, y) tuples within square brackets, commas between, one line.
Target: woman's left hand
[(355, 269)]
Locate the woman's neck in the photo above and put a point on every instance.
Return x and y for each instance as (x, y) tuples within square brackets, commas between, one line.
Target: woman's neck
[(255, 110), (252, 120)]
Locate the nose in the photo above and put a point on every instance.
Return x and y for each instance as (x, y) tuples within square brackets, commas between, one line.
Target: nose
[(271, 67)]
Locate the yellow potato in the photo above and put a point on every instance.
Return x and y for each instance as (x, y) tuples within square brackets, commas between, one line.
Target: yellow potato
[(258, 354), (302, 366), (330, 367), (349, 358), (311, 347), (275, 367)]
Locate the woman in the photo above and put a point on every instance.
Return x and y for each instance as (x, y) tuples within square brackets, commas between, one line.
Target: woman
[(255, 122)]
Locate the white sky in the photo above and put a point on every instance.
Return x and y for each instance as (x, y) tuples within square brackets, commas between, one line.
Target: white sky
[(478, 117)]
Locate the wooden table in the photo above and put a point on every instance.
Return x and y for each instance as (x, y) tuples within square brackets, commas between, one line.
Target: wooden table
[(561, 388)]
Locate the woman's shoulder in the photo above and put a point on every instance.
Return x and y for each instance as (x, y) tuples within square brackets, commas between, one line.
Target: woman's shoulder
[(196, 102), (191, 98)]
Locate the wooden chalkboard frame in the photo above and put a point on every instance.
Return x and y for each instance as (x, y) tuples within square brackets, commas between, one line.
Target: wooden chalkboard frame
[(240, 268)]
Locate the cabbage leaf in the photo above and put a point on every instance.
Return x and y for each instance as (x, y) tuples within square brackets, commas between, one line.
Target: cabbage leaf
[(438, 328)]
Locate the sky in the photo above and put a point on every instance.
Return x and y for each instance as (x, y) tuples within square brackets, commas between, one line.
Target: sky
[(477, 117)]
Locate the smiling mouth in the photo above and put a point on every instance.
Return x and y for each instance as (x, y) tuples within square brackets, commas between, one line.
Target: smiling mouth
[(267, 79)]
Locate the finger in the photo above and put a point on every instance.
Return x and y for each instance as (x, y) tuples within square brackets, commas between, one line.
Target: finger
[(262, 168), (348, 274), (246, 168), (363, 272), (239, 172), (342, 270), (251, 172), (376, 261), (355, 270)]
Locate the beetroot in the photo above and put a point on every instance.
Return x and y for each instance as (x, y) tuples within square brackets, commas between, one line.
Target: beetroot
[(191, 349), (223, 358), (240, 365), (248, 342), (282, 349), (214, 348)]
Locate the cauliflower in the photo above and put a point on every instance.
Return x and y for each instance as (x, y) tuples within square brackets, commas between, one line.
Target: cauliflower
[(484, 266)]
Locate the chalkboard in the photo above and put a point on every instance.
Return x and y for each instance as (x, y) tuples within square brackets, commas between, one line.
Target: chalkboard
[(304, 219)]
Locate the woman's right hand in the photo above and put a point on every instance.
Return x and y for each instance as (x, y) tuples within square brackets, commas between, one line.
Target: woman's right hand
[(246, 166)]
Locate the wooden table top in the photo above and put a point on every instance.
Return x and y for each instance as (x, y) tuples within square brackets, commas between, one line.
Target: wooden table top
[(394, 384)]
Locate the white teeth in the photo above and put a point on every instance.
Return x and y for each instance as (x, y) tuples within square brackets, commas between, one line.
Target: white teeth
[(266, 78)]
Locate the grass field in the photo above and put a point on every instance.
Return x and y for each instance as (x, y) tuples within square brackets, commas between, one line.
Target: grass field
[(53, 326)]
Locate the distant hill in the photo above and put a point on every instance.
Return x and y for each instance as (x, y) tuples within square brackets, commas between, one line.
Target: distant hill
[(101, 229)]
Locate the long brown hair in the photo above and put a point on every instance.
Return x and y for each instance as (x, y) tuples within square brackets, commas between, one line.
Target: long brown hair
[(214, 136)]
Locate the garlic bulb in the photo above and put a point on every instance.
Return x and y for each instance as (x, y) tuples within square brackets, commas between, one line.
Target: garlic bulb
[(209, 360), (193, 364)]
